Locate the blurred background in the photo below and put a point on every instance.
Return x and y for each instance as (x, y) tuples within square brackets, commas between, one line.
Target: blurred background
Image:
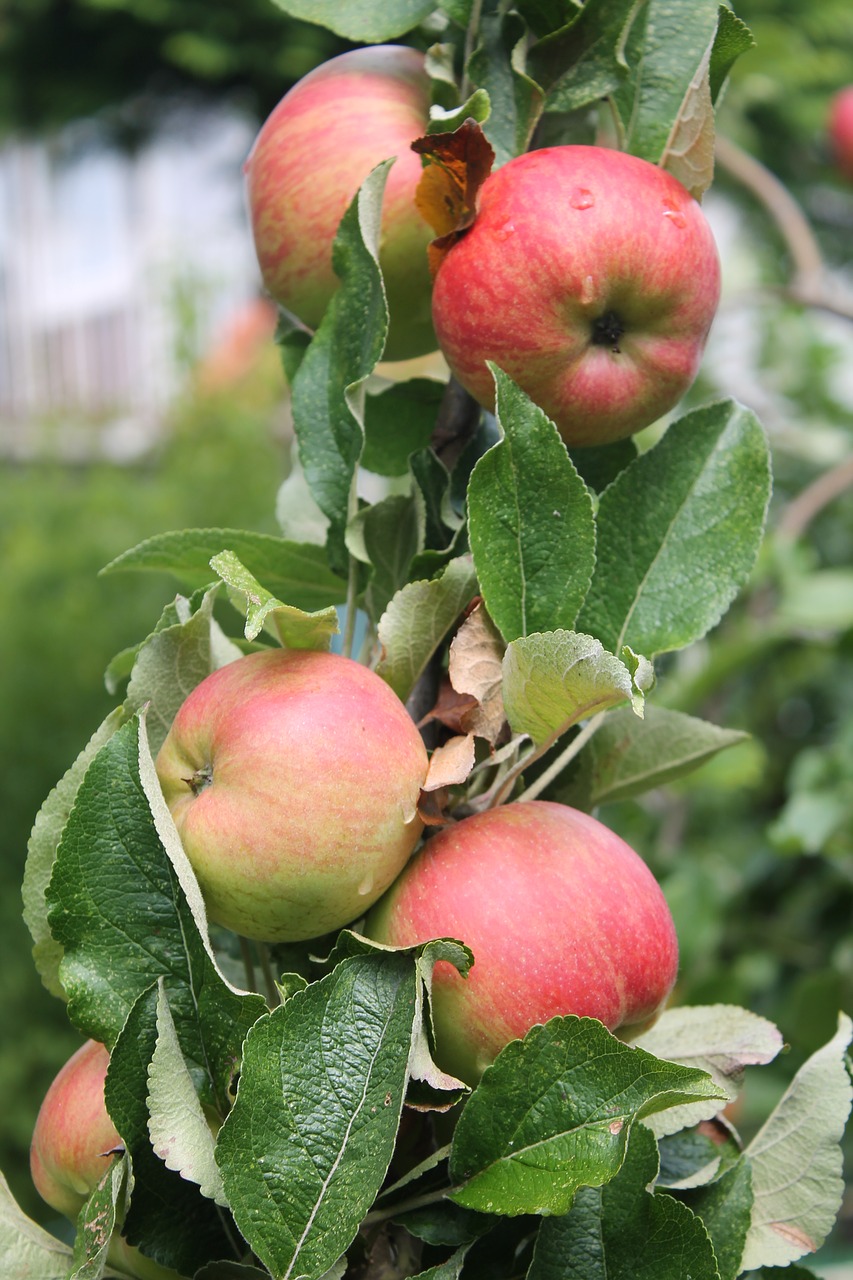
[(140, 391)]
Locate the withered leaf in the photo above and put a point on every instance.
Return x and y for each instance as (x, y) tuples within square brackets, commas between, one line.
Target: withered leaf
[(458, 164)]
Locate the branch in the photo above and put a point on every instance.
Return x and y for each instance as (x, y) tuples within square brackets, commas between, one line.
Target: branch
[(801, 510), (810, 286)]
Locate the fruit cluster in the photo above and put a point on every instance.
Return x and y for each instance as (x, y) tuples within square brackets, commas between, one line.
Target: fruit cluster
[(590, 276), (294, 777)]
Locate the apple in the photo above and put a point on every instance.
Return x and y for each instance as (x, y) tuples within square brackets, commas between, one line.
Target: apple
[(591, 277), (562, 917), (841, 130), (74, 1138), (313, 153), (74, 1141), (293, 778)]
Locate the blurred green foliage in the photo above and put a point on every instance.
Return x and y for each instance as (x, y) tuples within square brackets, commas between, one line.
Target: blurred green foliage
[(221, 461), (64, 59)]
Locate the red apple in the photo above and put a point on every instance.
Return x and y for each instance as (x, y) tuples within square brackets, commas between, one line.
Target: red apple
[(562, 917), (74, 1141), (591, 277), (74, 1138), (309, 159), (293, 778), (841, 130)]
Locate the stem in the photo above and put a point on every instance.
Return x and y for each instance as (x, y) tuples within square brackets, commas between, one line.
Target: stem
[(352, 577), (403, 1206), (800, 512), (470, 39), (248, 964), (792, 223), (273, 997), (576, 745)]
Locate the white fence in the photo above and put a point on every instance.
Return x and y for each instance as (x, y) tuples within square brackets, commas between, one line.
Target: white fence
[(115, 270)]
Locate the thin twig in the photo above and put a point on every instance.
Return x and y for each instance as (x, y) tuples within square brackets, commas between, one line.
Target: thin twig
[(801, 510), (576, 745), (792, 223)]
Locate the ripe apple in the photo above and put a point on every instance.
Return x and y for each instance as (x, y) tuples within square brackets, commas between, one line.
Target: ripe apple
[(591, 277), (293, 778), (73, 1143), (309, 159), (841, 130), (74, 1138), (562, 917)]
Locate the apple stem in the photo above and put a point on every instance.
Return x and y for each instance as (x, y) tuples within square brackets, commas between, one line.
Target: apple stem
[(471, 36), (352, 578), (248, 964), (273, 995), (503, 785), (576, 745)]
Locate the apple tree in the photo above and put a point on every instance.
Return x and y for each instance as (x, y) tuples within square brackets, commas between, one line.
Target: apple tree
[(286, 1096)]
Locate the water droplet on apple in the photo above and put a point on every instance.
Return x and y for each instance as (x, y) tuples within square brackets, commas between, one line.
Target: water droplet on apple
[(505, 229), (366, 885), (581, 198), (676, 217)]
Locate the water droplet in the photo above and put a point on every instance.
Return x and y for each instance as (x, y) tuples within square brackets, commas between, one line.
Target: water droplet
[(676, 217), (505, 229), (581, 198), (366, 885)]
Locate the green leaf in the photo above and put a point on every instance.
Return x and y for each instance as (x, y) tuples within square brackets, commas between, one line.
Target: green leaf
[(306, 1147), (104, 1208), (689, 150), (447, 120), (530, 522), (295, 571), (183, 649), (679, 531), (666, 46), (41, 853), (796, 1160), (27, 1251), (433, 480), (118, 907), (599, 465), (292, 627), (725, 1207), (449, 1270), (553, 1113), (179, 1131), (584, 60), (429, 1087), (399, 421), (721, 1039), (629, 755), (168, 1217), (516, 100), (387, 536), (552, 680), (417, 620), (328, 391), (361, 20), (733, 38), (623, 1231)]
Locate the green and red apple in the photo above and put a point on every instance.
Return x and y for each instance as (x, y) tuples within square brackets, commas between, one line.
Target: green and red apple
[(591, 277), (562, 916), (309, 159), (293, 778), (73, 1144)]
